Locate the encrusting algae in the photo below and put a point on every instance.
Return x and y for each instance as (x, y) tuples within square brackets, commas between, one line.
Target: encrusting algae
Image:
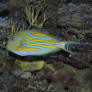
[(30, 66)]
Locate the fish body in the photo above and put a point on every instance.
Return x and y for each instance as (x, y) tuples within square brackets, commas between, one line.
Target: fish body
[(36, 43)]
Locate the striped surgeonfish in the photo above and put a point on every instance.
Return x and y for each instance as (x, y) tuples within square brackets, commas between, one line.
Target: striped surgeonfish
[(36, 43)]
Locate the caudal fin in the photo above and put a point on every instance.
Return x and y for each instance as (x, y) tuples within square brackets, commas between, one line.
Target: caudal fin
[(67, 46)]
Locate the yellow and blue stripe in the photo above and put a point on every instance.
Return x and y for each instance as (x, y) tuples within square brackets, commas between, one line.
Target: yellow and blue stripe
[(33, 42)]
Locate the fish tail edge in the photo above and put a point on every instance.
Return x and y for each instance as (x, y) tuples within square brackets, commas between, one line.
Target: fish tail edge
[(67, 46)]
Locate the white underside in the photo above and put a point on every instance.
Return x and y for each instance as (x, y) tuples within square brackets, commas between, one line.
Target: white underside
[(25, 53)]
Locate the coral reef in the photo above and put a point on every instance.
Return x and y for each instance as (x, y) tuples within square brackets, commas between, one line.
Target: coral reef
[(2, 6), (12, 4), (11, 24), (15, 27), (51, 76), (58, 65), (57, 72), (75, 15), (4, 22), (88, 77), (32, 15), (54, 76)]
